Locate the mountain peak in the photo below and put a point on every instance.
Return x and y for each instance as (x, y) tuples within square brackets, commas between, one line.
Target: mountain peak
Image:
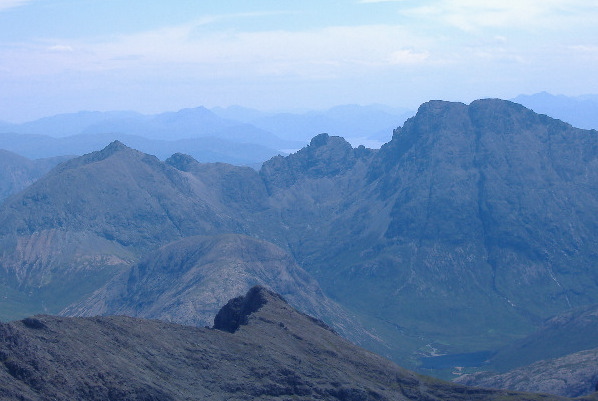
[(324, 139), (236, 312), (325, 156), (111, 149), (319, 140), (115, 146), (181, 161), (437, 106), (499, 104)]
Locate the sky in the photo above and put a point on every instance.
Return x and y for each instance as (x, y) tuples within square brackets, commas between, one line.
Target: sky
[(59, 56)]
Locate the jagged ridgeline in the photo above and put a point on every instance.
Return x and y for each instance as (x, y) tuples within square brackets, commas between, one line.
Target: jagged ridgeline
[(468, 229)]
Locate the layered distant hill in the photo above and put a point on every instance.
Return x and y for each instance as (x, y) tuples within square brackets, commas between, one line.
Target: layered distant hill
[(207, 149), (367, 125), (234, 135), (467, 230), (18, 172), (259, 348), (561, 335), (580, 111)]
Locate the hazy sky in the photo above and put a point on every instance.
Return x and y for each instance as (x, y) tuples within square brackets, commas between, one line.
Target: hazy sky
[(150, 56)]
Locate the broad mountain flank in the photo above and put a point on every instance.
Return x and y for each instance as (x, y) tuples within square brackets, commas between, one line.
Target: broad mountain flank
[(465, 234)]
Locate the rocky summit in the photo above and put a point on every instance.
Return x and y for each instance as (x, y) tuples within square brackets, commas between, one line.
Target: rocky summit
[(260, 348)]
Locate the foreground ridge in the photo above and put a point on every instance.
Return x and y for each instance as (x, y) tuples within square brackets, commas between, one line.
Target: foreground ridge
[(276, 353)]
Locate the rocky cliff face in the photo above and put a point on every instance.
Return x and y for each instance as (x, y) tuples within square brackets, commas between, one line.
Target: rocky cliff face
[(275, 353), (325, 157), (487, 209)]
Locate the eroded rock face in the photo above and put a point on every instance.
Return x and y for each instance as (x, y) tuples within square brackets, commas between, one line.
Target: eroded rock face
[(236, 312), (325, 157)]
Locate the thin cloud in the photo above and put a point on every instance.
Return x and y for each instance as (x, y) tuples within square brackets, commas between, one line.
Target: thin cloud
[(423, 48), (6, 4), (473, 15), (61, 49), (380, 1), (408, 56), (320, 52), (585, 51)]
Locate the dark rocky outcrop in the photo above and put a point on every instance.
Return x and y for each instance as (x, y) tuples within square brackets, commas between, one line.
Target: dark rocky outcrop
[(236, 312)]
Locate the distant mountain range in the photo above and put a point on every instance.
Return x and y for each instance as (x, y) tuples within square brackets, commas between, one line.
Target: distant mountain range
[(233, 135), (580, 111), (463, 234), (239, 135)]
